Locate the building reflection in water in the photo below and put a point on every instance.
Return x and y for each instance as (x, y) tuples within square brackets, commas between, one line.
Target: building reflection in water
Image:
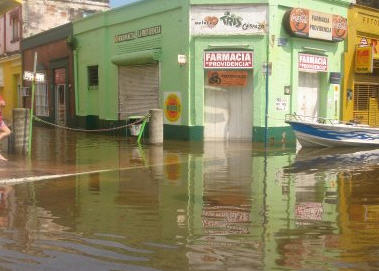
[(226, 234), (211, 206)]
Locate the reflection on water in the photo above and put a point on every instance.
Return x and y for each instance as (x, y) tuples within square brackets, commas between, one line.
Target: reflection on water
[(188, 206)]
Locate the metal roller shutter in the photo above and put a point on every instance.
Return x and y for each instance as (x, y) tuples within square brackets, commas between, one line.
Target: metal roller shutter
[(138, 89), (366, 102)]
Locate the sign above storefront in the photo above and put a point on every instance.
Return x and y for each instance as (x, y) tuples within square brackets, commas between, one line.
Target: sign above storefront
[(312, 63), (316, 25), (29, 76), (228, 60), (227, 78), (229, 20), (364, 60), (374, 43), (141, 33)]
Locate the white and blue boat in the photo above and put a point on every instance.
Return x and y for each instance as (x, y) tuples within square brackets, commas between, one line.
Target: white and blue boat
[(320, 132)]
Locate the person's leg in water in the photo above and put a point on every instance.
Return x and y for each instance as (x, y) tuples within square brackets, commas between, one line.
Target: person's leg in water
[(4, 132)]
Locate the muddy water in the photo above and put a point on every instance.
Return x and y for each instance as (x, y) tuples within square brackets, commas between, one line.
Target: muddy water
[(211, 206)]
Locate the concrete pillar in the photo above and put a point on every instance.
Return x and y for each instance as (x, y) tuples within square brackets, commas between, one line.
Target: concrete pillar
[(156, 126), (20, 130), (156, 156)]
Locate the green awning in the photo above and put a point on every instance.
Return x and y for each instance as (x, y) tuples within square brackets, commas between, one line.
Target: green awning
[(137, 58)]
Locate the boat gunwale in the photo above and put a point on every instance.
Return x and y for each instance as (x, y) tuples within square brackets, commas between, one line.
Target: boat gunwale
[(339, 125)]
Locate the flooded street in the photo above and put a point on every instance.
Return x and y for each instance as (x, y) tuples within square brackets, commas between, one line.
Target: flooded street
[(187, 206)]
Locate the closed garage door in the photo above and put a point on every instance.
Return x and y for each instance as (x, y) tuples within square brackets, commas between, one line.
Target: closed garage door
[(138, 89)]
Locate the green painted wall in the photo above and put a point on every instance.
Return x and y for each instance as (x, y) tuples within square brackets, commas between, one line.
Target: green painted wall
[(96, 34), (285, 58), (96, 46)]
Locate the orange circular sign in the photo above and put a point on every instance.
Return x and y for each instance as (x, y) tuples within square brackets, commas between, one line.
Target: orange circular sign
[(339, 27), (299, 21), (173, 107)]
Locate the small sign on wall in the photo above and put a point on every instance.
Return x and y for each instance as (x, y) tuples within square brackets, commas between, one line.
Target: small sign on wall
[(281, 104), (227, 78), (172, 107), (229, 60), (313, 63), (29, 76), (364, 60)]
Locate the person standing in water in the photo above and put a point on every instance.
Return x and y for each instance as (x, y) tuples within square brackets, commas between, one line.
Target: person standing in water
[(4, 130)]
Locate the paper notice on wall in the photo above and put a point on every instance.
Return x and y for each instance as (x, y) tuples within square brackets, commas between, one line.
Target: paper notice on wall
[(281, 104), (336, 91)]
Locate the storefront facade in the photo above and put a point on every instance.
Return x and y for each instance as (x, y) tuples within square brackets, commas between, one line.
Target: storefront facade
[(205, 66), (305, 54), (55, 98), (361, 81)]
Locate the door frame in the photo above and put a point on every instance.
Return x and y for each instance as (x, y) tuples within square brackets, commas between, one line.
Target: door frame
[(62, 63)]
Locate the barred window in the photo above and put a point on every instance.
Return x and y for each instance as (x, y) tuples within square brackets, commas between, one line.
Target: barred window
[(93, 77)]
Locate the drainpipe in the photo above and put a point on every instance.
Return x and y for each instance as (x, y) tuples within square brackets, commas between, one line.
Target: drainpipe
[(5, 32), (267, 78), (76, 83)]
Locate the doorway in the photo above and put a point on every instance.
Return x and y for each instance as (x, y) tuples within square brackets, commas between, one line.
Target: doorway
[(308, 95), (228, 105), (60, 104)]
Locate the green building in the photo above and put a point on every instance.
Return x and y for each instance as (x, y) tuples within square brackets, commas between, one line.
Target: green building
[(205, 64)]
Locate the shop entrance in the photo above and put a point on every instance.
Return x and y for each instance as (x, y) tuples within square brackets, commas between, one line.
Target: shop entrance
[(138, 89), (60, 104), (60, 96), (308, 94), (228, 105)]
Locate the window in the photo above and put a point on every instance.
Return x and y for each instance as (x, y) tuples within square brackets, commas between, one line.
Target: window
[(42, 104), (93, 77), (15, 23), (86, 13)]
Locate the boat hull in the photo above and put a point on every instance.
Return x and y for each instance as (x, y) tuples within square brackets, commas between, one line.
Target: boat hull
[(324, 135)]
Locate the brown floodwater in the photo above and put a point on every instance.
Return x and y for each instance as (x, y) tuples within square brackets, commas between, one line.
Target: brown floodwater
[(186, 206)]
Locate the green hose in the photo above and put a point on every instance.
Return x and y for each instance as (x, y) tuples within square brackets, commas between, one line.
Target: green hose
[(141, 131)]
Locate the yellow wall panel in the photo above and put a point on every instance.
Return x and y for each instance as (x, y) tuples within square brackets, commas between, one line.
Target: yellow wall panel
[(362, 22), (12, 73)]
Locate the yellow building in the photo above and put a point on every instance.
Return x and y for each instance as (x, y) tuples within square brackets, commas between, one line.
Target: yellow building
[(11, 67), (361, 76), (10, 58), (8, 4)]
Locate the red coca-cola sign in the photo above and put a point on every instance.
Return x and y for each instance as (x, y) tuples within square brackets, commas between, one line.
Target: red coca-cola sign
[(312, 24)]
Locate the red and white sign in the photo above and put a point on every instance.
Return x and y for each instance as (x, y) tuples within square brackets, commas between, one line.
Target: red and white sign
[(60, 76), (228, 60), (309, 211), (313, 63)]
